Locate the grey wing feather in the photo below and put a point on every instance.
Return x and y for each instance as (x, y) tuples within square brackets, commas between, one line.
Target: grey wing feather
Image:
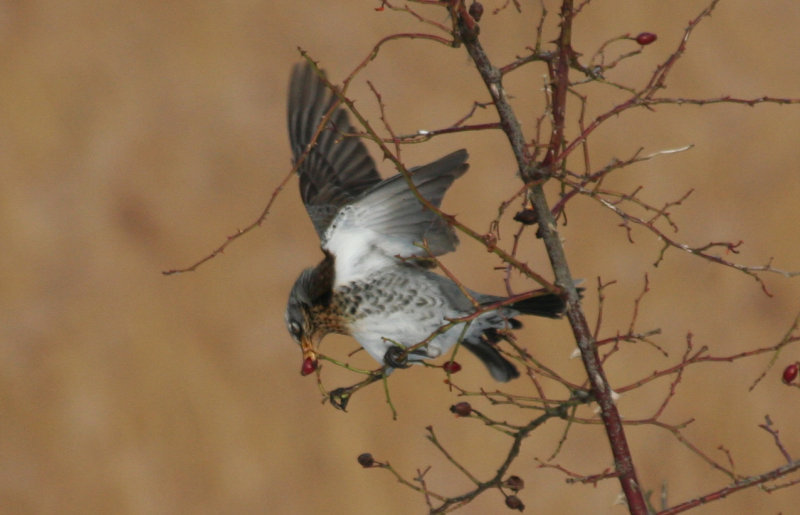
[(338, 168), (389, 218), (397, 213), (388, 221), (501, 369)]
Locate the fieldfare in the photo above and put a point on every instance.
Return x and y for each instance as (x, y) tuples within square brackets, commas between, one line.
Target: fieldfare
[(374, 282)]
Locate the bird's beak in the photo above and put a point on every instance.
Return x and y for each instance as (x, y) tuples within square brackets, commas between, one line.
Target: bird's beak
[(309, 357)]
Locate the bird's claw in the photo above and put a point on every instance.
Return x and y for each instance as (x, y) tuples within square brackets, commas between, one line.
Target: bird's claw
[(340, 397)]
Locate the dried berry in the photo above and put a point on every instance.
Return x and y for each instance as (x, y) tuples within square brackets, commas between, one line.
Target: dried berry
[(451, 367), (514, 483), (366, 460), (790, 373), (462, 409), (526, 217), (513, 502), (476, 11), (645, 38), (309, 366)]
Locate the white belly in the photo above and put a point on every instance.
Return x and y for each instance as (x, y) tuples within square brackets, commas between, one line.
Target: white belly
[(379, 332)]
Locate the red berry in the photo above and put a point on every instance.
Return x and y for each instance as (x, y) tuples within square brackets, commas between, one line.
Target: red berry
[(514, 483), (462, 409), (513, 502), (451, 367), (790, 373), (645, 38), (476, 11), (309, 366)]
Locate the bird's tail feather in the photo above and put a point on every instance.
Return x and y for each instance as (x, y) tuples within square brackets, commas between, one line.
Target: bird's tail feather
[(501, 369), (548, 305)]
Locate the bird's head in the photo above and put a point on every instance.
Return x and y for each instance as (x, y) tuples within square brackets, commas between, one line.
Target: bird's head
[(299, 319), (310, 295)]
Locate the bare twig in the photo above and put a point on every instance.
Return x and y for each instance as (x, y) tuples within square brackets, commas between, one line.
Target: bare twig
[(738, 485)]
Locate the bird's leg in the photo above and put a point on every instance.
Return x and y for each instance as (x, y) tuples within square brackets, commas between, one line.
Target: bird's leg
[(341, 396)]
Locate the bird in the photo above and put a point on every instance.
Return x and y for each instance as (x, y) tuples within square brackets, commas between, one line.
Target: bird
[(375, 281)]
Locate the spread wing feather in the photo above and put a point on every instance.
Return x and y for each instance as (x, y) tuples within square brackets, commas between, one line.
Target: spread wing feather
[(338, 167)]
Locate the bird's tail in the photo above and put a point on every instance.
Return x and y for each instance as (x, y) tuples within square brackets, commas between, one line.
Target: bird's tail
[(501, 369), (484, 347), (547, 305)]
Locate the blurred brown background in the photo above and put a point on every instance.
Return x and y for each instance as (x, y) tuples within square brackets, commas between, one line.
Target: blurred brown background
[(135, 136)]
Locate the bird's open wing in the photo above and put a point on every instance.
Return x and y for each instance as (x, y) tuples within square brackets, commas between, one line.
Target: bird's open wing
[(338, 168), (388, 221)]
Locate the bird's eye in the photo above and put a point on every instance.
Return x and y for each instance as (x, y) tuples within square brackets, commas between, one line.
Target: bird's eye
[(295, 329)]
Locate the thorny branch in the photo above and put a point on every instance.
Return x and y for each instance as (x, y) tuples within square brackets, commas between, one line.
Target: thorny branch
[(498, 481), (557, 148), (737, 485), (559, 75), (553, 160)]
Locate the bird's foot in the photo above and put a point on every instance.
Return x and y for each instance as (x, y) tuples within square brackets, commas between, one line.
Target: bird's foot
[(340, 397), (396, 357)]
